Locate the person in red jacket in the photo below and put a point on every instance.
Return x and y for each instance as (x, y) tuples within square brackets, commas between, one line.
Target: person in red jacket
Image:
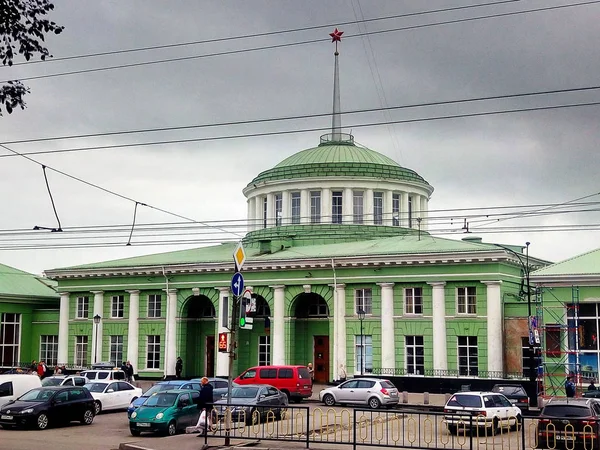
[(41, 369)]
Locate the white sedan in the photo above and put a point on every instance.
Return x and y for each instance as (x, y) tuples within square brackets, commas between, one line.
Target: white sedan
[(112, 394)]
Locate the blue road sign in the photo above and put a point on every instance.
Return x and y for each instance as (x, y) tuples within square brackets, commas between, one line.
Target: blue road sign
[(237, 284)]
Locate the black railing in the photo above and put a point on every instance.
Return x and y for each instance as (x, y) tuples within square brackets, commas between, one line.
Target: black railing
[(500, 375)]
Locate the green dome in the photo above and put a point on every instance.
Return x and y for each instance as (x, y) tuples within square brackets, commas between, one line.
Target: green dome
[(337, 154)]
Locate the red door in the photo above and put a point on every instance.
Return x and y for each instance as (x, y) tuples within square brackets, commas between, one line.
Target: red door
[(321, 359)]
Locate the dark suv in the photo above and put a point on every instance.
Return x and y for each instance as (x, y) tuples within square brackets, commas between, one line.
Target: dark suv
[(569, 423), (43, 406)]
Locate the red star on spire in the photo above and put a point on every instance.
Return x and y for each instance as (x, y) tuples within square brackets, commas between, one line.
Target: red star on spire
[(336, 35)]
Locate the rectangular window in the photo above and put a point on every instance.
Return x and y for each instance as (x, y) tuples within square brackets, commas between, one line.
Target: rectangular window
[(364, 300), (364, 354), (265, 210), (10, 336), (396, 210), (81, 351), (358, 206), (154, 305), (83, 307), (467, 356), (466, 300), (116, 350), (378, 208), (278, 209), (336, 207), (553, 340), (413, 300), (153, 352), (49, 349), (415, 355), (410, 210), (295, 200), (315, 207), (117, 307), (264, 350)]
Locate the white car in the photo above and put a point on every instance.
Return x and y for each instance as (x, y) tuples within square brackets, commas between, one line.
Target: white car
[(64, 380), (112, 394), (488, 410)]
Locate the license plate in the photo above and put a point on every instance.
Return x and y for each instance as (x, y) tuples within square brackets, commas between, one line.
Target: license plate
[(565, 438), (143, 424), (3, 417), (394, 394)]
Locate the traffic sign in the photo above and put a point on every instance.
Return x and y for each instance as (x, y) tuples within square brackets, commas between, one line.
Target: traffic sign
[(239, 256), (223, 342), (237, 284)]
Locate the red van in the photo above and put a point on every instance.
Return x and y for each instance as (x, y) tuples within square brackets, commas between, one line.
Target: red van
[(293, 381)]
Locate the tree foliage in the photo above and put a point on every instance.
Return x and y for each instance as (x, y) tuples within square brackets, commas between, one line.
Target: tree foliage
[(23, 26)]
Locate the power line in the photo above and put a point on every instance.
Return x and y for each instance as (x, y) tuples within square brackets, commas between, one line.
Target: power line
[(305, 42)]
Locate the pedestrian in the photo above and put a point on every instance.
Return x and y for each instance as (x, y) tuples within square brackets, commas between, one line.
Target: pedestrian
[(569, 388), (343, 374), (33, 366), (41, 370), (57, 370), (129, 372), (178, 367), (124, 368), (311, 371), (592, 386), (205, 401)]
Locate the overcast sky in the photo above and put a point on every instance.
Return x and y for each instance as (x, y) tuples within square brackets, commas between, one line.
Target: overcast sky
[(526, 158)]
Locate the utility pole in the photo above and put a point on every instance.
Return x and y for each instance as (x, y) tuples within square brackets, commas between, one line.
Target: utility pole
[(232, 358)]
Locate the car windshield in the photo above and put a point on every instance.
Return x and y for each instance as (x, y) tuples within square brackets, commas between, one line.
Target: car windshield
[(467, 401), (95, 387), (161, 400), (509, 390), (36, 395), (244, 392), (52, 381), (566, 411), (157, 388)]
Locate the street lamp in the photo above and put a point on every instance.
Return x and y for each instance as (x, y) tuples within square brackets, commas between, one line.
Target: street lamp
[(97, 319), (361, 317)]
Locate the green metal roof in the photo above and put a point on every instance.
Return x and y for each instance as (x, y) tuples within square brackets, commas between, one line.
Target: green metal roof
[(17, 283), (585, 264), (337, 154)]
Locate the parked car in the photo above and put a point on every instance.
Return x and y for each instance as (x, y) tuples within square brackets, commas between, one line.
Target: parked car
[(13, 386), (64, 380), (373, 392), (293, 381), (112, 395), (44, 406), (220, 386), (487, 410), (570, 423), (515, 393), (166, 412), (595, 393), (104, 374), (162, 386), (252, 403)]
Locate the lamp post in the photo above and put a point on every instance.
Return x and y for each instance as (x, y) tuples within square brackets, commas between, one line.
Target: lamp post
[(361, 317), (97, 319)]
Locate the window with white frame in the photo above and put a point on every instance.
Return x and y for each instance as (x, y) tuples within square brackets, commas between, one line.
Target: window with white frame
[(117, 307), (295, 203), (466, 300), (357, 207), (116, 350), (10, 336), (265, 212), (396, 210), (264, 350), (364, 354), (81, 351), (153, 352), (467, 356), (154, 305), (413, 300), (315, 207), (278, 209), (363, 300), (49, 349), (410, 211), (415, 355), (336, 207), (378, 208), (83, 307)]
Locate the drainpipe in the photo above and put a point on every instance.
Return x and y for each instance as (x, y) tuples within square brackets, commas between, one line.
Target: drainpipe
[(167, 323), (335, 323)]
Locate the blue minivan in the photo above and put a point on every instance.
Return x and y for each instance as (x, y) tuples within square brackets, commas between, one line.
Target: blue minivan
[(162, 386)]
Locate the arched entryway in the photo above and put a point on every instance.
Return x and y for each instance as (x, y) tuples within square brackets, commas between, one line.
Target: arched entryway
[(310, 332), (197, 336), (255, 344)]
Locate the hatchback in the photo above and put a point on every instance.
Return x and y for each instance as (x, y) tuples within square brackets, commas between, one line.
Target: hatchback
[(515, 393), (372, 392), (570, 423), (254, 403)]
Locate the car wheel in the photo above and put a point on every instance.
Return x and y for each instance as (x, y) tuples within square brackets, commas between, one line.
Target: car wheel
[(517, 424), (287, 394), (281, 414), (134, 432), (42, 421), (329, 400), (495, 426), (88, 417), (252, 417), (374, 403), (452, 429), (98, 407), (172, 428)]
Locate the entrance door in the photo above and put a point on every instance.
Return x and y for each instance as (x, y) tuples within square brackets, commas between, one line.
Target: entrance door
[(321, 359), (210, 356)]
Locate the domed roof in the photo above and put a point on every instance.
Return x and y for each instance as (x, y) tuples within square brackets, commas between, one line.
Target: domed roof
[(337, 154)]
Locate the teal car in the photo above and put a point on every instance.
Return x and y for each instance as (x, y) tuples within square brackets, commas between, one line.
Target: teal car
[(166, 412)]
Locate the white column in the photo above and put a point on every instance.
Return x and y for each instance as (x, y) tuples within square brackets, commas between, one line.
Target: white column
[(97, 329), (222, 368), (440, 352), (369, 216), (388, 355), (305, 206), (133, 331), (424, 212), (286, 210), (171, 333), (326, 205), (340, 335), (404, 209), (63, 330), (270, 210), (494, 326), (387, 208), (258, 213), (250, 215), (347, 206), (278, 325)]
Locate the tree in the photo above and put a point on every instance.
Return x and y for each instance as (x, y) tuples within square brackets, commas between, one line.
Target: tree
[(23, 26)]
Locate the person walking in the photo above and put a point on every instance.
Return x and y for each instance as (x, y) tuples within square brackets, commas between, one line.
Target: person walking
[(129, 371), (592, 386), (569, 388), (311, 371), (205, 402), (178, 367)]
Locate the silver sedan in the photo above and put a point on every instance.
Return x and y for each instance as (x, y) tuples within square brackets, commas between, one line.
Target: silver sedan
[(372, 392)]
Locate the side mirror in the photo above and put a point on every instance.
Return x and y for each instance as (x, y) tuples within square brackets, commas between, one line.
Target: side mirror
[(261, 396), (110, 391)]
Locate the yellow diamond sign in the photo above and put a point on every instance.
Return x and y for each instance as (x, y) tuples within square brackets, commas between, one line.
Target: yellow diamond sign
[(239, 256)]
